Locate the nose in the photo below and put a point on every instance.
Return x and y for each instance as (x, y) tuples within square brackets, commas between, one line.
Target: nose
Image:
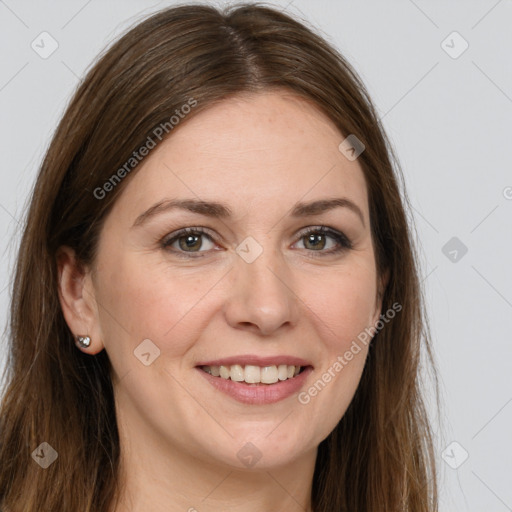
[(261, 297)]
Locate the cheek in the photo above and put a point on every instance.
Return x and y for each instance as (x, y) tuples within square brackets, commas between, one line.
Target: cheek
[(341, 310), (139, 303), (344, 306)]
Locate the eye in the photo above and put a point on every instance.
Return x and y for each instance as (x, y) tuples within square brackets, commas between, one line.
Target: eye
[(316, 239), (189, 240)]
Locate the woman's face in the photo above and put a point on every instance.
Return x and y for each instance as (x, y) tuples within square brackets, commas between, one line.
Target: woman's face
[(259, 287)]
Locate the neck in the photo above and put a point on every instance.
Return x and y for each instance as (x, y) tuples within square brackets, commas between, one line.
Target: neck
[(171, 485), (162, 478)]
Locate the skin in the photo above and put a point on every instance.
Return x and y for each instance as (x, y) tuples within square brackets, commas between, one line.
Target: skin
[(259, 154)]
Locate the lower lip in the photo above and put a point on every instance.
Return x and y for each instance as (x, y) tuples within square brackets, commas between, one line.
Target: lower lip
[(257, 394)]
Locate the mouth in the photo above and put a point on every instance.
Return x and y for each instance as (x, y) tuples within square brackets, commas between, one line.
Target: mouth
[(254, 380), (254, 375)]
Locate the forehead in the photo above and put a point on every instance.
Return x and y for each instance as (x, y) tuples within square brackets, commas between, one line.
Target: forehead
[(248, 151)]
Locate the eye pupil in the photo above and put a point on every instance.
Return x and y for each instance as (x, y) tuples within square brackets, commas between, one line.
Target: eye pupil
[(189, 242), (314, 238)]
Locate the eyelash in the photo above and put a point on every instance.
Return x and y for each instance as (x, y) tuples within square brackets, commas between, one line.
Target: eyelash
[(344, 244)]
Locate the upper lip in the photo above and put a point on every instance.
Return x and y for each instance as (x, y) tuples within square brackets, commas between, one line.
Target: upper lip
[(257, 361)]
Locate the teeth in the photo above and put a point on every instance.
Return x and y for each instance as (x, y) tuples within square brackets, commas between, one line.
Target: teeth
[(282, 372), (254, 374), (237, 373), (224, 372), (269, 374)]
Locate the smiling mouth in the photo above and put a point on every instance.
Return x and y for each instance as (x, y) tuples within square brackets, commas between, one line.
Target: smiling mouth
[(257, 375)]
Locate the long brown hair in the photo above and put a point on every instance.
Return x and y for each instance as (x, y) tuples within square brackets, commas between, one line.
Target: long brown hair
[(380, 455)]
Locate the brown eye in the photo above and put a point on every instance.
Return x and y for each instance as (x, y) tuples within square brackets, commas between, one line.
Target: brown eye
[(317, 239), (188, 240)]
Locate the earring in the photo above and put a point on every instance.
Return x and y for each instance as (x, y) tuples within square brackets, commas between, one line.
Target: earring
[(82, 341)]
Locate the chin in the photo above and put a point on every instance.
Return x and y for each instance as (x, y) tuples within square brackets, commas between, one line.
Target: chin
[(254, 452)]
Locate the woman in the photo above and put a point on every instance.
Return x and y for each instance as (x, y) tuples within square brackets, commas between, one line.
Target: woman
[(216, 303)]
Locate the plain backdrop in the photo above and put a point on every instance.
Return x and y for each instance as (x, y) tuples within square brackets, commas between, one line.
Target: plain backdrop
[(440, 74)]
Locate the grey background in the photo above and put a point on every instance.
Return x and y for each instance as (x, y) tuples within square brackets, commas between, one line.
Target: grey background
[(449, 120)]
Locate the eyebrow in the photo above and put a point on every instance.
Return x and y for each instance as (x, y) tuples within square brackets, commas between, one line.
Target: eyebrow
[(218, 210)]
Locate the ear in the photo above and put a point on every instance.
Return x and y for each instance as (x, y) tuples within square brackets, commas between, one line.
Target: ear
[(382, 283), (77, 300)]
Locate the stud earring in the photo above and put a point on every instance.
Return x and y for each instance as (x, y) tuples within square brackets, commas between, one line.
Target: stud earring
[(82, 341)]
